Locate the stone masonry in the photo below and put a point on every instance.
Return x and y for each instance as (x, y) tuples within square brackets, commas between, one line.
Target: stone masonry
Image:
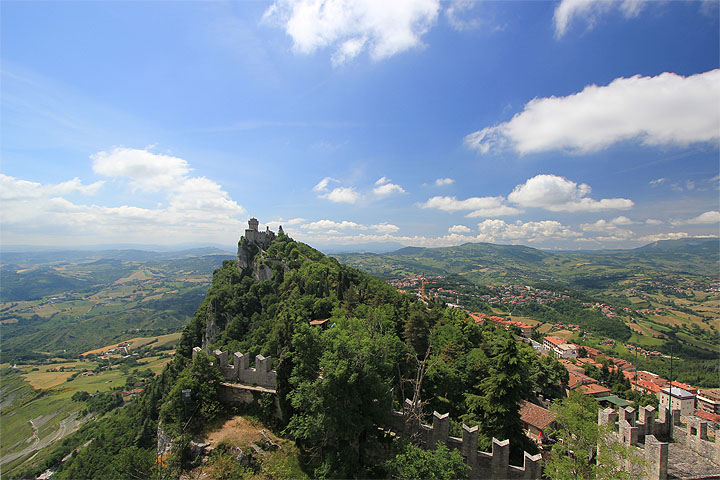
[(645, 432), (495, 464)]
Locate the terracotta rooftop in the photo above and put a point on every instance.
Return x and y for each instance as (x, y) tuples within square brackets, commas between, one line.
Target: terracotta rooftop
[(594, 389), (535, 415), (712, 417), (319, 322), (556, 340), (647, 385)]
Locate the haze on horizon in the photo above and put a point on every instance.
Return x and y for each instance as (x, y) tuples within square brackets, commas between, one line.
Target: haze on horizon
[(558, 125)]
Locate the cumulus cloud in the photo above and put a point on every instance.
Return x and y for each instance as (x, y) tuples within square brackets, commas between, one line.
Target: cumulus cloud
[(459, 229), (350, 27), (558, 194), (590, 10), (322, 185), (668, 109), (193, 208), (332, 227), (663, 236), (652, 221), (385, 228), (498, 230), (12, 188), (342, 195), (707, 218), (384, 187), (442, 182), (480, 206), (146, 170)]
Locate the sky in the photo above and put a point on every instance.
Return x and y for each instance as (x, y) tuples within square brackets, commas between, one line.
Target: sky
[(571, 124)]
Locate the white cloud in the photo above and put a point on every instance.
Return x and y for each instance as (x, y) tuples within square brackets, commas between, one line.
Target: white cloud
[(342, 195), (668, 109), (615, 233), (707, 218), (658, 181), (499, 211), (382, 181), (194, 208), (385, 228), (591, 10), (13, 189), (330, 224), (350, 27), (147, 171), (322, 184), (558, 194), (622, 220), (452, 204), (663, 236), (459, 229), (387, 189), (442, 182), (333, 228), (652, 221), (498, 230)]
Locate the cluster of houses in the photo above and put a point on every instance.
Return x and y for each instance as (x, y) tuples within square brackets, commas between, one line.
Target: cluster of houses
[(674, 395), (704, 404), (518, 294), (481, 317)]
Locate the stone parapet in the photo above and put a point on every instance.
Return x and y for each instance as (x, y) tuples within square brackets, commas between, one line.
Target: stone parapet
[(481, 465), (240, 370)]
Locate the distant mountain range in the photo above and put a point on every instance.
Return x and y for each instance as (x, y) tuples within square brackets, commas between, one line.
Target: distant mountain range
[(128, 255), (490, 263)]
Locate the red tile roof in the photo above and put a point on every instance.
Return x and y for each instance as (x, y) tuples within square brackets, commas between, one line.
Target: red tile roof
[(594, 389), (535, 415), (713, 417), (556, 340), (684, 386), (647, 385), (318, 322)]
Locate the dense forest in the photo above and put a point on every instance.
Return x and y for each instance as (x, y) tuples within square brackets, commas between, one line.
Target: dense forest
[(335, 385)]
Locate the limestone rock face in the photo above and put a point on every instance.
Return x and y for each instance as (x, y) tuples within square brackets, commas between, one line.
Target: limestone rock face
[(262, 272), (245, 256), (211, 328)]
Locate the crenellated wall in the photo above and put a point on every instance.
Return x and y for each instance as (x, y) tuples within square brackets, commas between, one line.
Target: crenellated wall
[(482, 464), (644, 433), (240, 371)]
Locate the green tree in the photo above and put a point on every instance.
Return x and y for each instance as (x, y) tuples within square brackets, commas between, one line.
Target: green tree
[(340, 392), (180, 414), (414, 462), (494, 403), (574, 456)]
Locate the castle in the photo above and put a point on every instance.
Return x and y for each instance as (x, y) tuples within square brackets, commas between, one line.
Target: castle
[(264, 239)]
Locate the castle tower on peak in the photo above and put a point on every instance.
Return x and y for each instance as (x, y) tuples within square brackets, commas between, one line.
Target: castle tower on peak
[(252, 234)]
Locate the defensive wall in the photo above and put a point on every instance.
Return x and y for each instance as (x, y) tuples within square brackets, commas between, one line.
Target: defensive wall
[(495, 464), (241, 372), (645, 434)]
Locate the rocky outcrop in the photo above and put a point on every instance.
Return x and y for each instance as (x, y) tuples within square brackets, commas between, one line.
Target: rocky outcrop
[(211, 327)]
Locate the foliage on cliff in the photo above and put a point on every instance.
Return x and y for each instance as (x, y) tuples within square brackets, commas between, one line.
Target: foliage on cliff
[(335, 385)]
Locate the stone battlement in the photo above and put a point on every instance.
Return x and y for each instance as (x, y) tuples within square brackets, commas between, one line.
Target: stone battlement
[(482, 464), (240, 371), (644, 433)]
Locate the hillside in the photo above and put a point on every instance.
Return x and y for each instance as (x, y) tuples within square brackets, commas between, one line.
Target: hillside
[(485, 263), (334, 385)]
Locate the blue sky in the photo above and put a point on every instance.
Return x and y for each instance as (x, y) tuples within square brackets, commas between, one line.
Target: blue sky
[(569, 124)]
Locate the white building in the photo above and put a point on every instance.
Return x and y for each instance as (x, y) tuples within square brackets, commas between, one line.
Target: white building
[(676, 398), (560, 347)]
